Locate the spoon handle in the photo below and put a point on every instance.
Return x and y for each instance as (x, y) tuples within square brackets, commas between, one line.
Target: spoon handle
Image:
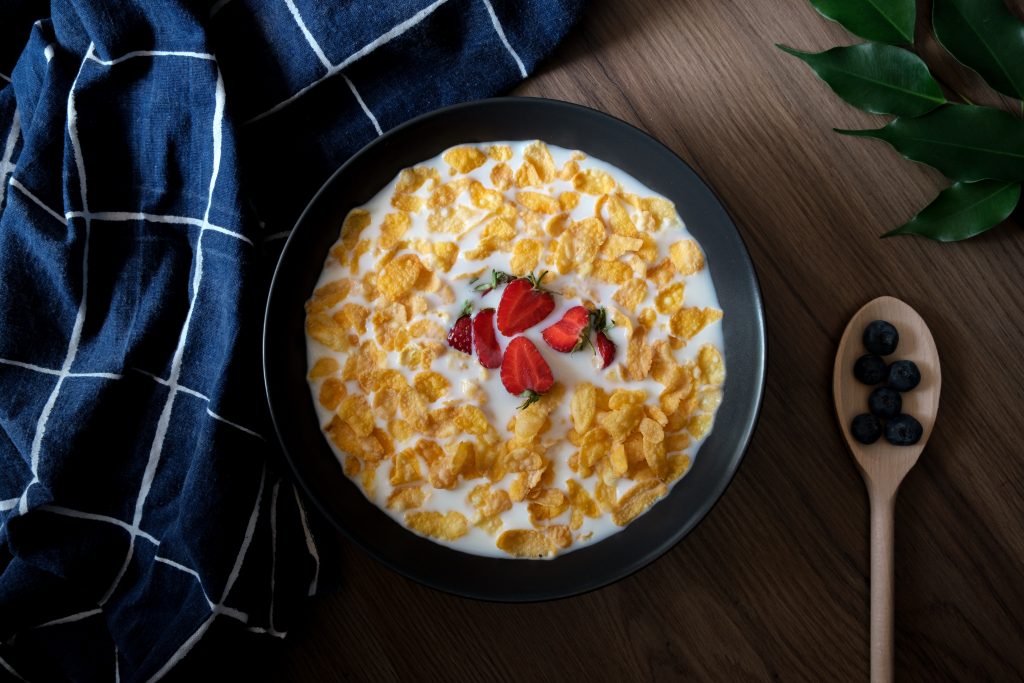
[(881, 586)]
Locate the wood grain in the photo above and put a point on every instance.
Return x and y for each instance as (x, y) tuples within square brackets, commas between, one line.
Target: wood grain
[(883, 465), (774, 583)]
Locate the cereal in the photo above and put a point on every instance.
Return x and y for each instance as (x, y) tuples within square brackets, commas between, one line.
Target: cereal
[(542, 203), (324, 367), (636, 500), (670, 298), (687, 257), (525, 256), (687, 322), (538, 155), (433, 438), (592, 181), (448, 526), (464, 159), (399, 276), (709, 360), (432, 385), (499, 152), (631, 294), (407, 498)]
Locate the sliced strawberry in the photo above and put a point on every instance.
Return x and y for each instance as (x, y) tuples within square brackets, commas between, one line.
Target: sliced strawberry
[(487, 349), (571, 333), (460, 337), (524, 372), (523, 304), (497, 279), (604, 346)]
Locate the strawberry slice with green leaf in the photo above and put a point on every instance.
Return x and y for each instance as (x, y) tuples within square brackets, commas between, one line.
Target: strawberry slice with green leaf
[(524, 372), (523, 304), (571, 333), (604, 346), (460, 337), (487, 349), (497, 279)]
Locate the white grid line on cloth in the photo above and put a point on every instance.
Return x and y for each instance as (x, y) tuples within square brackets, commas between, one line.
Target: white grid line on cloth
[(315, 46), (6, 167), (8, 78), (187, 570), (10, 669), (310, 545), (277, 235), (504, 41), (111, 375), (76, 330), (226, 421), (71, 618), (156, 218), (50, 371), (192, 392), (150, 53), (359, 99), (383, 39), (78, 514), (232, 577), (39, 202), (163, 422), (117, 665), (309, 36), (8, 504)]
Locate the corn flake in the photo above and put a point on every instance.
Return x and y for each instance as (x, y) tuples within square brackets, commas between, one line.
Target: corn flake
[(464, 159), (323, 367), (670, 299), (687, 322), (636, 500), (406, 498), (446, 527), (501, 177), (525, 256), (593, 181), (541, 203), (687, 257), (631, 294), (538, 156), (399, 276), (612, 272), (712, 369)]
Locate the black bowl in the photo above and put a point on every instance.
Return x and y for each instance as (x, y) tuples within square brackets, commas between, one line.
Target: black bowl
[(291, 406)]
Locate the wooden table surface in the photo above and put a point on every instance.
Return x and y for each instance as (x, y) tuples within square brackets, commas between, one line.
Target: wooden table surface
[(773, 584)]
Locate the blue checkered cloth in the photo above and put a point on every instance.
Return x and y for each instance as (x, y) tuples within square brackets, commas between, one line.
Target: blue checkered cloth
[(152, 158)]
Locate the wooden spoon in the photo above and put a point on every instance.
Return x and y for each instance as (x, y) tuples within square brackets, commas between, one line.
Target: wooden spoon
[(883, 465)]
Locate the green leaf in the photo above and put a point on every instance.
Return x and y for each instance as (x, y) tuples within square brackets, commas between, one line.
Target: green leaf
[(963, 210), (878, 78), (987, 37), (964, 142), (887, 21)]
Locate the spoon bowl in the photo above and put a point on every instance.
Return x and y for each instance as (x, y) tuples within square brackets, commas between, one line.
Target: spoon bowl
[(882, 464)]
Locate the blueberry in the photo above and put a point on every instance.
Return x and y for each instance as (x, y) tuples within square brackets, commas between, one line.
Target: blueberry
[(869, 369), (884, 402), (903, 430), (904, 375), (866, 428), (881, 338)]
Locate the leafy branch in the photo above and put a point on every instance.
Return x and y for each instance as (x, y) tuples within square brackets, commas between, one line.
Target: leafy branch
[(980, 149)]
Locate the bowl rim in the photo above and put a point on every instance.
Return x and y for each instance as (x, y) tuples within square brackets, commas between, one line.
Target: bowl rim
[(645, 559)]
